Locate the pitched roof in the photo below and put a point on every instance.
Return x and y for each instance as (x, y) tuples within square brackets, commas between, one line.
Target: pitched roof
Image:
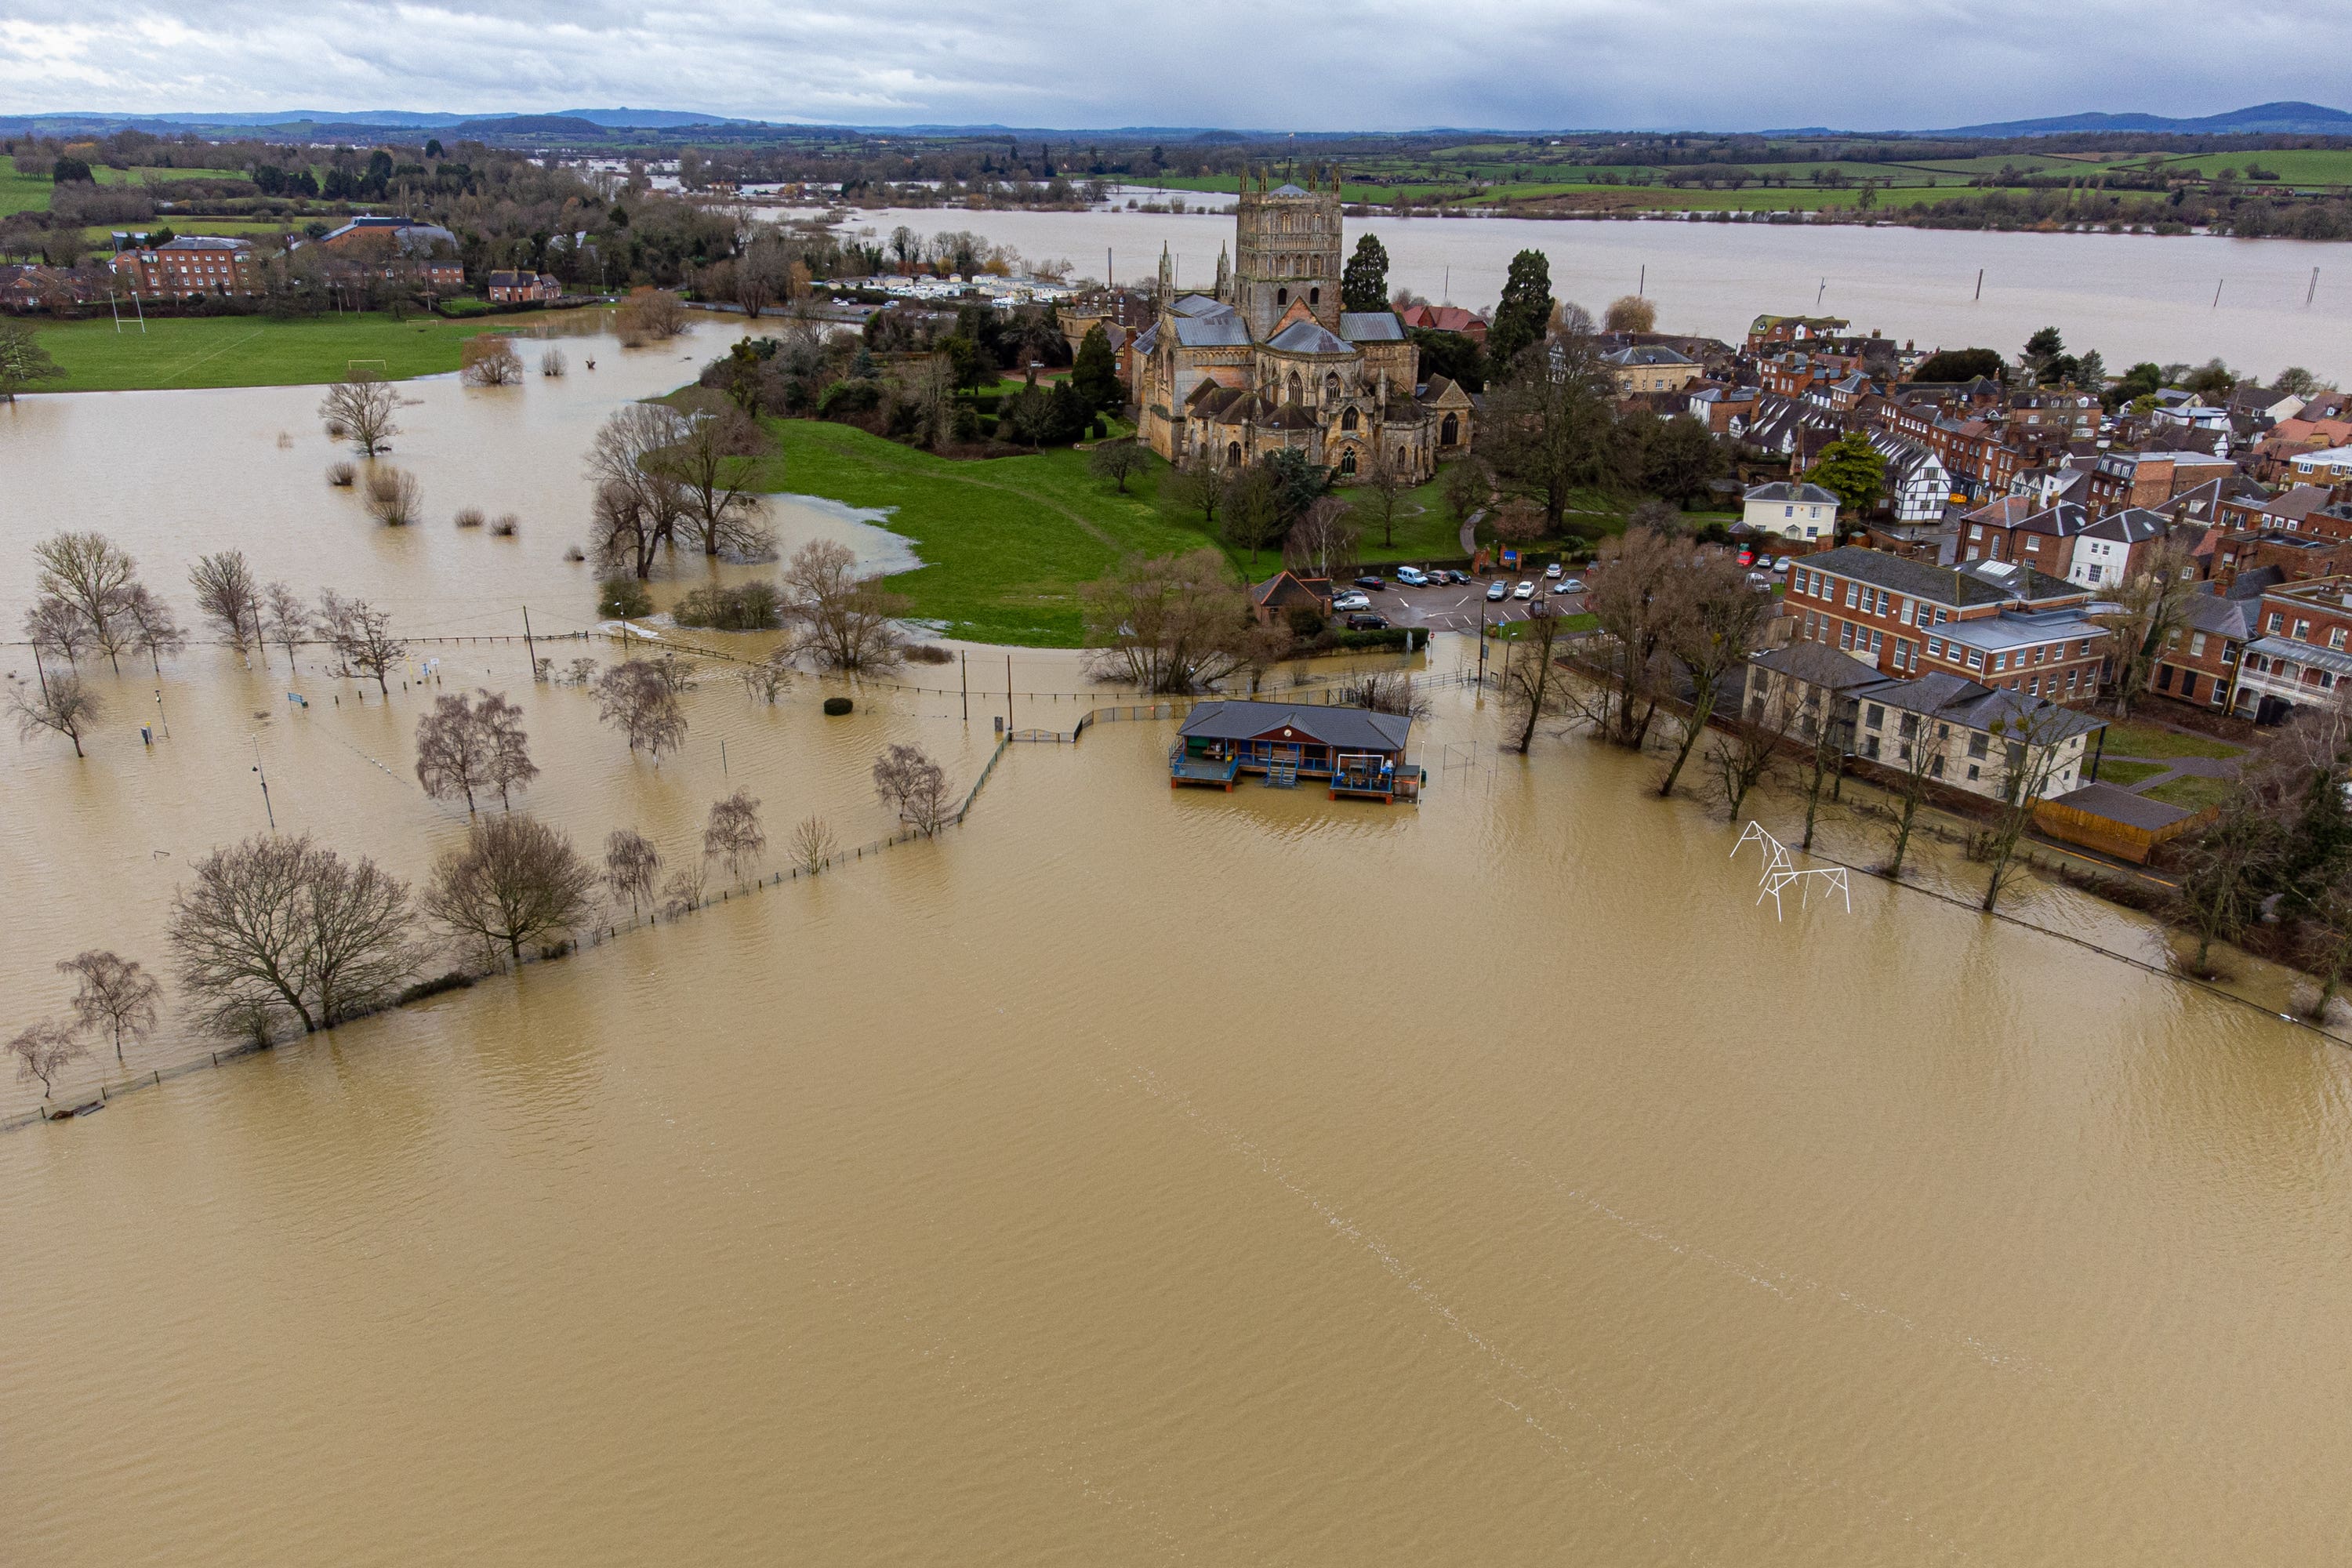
[(1371, 327), (1223, 329), (1308, 337), (1786, 491), (1817, 664), (1286, 587), (2120, 806), (1647, 353), (2134, 525), (1349, 728), (1941, 585)]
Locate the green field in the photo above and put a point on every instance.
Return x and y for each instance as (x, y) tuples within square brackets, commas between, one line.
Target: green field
[(2293, 166), (21, 192), (1006, 542), (183, 352), (2123, 776), (2139, 739), (2191, 793)]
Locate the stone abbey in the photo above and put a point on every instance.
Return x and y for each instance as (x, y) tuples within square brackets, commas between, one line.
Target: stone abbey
[(1270, 361)]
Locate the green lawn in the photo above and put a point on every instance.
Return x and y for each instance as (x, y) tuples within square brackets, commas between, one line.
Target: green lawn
[(182, 352), (2143, 740), (21, 192), (1006, 542), (1425, 529), (2191, 793), (2123, 776)]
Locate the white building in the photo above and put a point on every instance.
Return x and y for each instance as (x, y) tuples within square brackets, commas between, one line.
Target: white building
[(1793, 509)]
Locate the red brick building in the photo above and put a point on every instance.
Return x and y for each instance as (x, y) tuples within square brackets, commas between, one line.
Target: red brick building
[(2012, 629), (190, 268)]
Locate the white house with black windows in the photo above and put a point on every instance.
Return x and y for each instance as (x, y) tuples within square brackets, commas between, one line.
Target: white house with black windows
[(1793, 509)]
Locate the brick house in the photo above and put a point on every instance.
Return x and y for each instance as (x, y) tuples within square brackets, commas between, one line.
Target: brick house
[(1446, 319), (2150, 479), (521, 287), (2009, 627), (2301, 650), (2296, 557), (1286, 591), (190, 268), (2015, 528), (2111, 549), (2200, 662)]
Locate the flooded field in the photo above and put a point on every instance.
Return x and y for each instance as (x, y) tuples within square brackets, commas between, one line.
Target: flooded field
[(1128, 1175)]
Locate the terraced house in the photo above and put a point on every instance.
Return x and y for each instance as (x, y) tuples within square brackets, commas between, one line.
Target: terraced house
[(2009, 627)]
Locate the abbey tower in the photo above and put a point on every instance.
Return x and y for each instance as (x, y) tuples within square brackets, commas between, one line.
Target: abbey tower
[(1289, 249)]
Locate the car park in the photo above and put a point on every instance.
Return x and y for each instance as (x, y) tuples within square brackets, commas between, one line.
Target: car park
[(1412, 576), (1497, 591), (1375, 584), (1368, 623), (1352, 602), (1524, 591)]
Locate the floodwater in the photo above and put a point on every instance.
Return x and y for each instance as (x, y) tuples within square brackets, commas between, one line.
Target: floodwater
[(1126, 1175), (1132, 1175), (2130, 296)]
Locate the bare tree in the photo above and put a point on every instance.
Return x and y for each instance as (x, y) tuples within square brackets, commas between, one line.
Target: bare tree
[(453, 751), (2153, 610), (1636, 597), (766, 680), (227, 598), (1737, 761), (2222, 875), (88, 571), (682, 889), (1719, 619), (1119, 461), (1194, 492), (57, 627), (734, 834), (813, 845), (488, 359), (394, 499), (639, 504), (114, 995), (630, 862), (1533, 689), (651, 314), (715, 463), (1381, 486), (280, 926), (634, 697), (360, 409), (59, 702), (912, 784), (1169, 625), (2032, 738), (361, 637), (516, 881), (1917, 764), (511, 765), (1253, 510), (44, 1049), (1323, 541), (284, 619), (154, 630), (552, 363), (842, 620)]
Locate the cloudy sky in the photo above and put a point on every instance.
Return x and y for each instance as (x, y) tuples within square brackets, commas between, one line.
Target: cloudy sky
[(1269, 64)]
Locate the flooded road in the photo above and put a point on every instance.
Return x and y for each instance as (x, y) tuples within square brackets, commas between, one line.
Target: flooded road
[(1132, 1175)]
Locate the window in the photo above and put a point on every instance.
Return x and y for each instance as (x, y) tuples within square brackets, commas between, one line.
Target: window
[(1907, 608), (2072, 677), (1811, 532), (2033, 687), (1999, 662), (1976, 748), (1315, 295), (1348, 420), (1347, 461), (2090, 573), (1877, 641), (2040, 652), (2335, 637), (1845, 634), (1853, 594), (2272, 625), (1877, 716), (1788, 511), (2197, 644), (1882, 603), (1935, 647), (2301, 630), (1976, 659)]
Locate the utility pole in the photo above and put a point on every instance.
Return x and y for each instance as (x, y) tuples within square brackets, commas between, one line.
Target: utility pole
[(166, 723), (963, 669), (1008, 694), (530, 646), (264, 784), (2217, 294), (2311, 293), (1979, 284)]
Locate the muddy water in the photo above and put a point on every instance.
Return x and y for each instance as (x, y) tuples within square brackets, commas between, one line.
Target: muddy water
[(2131, 297), (1141, 1176)]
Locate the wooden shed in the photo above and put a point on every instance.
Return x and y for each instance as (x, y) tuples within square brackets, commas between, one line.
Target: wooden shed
[(2115, 821)]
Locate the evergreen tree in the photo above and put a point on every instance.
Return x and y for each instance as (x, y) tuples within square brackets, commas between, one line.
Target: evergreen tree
[(1852, 469), (1364, 286), (1095, 370), (1525, 313)]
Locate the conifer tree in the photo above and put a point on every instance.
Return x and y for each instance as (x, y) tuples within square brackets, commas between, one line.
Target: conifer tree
[(1525, 313), (1364, 286)]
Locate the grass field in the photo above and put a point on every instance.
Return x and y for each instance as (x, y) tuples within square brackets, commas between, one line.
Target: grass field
[(2123, 776), (2293, 166), (2131, 739), (2191, 793), (183, 352), (21, 192), (1006, 542)]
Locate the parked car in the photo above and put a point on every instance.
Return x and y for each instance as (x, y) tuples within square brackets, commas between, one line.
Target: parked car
[(1524, 591), (1748, 558), (1570, 585), (1497, 591), (1560, 587), (1352, 602), (1781, 567), (1760, 581), (1412, 576), (1377, 584), (1368, 623), (1553, 569)]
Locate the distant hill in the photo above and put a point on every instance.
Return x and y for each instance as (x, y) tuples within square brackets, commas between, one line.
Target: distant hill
[(2261, 119), (528, 125)]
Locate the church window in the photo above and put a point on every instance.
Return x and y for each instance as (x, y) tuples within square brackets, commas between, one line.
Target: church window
[(1294, 386), (1348, 420), (1281, 298), (1234, 452), (1347, 461), (1315, 295), (1332, 387), (1450, 433)]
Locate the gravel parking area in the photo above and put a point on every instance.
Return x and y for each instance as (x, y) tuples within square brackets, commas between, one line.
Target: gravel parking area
[(1462, 606)]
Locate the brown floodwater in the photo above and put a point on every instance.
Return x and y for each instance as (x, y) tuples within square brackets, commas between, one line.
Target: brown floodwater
[(1132, 1175)]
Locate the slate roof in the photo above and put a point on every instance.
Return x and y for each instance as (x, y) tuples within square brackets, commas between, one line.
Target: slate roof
[(2327, 658), (2120, 806), (1307, 338), (1371, 327), (2134, 525), (1785, 490), (1198, 305), (1286, 189), (1647, 353), (2220, 615), (1817, 664), (1941, 585), (1224, 330), (1955, 699), (1349, 729)]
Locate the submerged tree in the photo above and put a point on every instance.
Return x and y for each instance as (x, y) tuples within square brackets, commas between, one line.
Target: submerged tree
[(113, 994), (734, 834), (630, 862), (913, 786), (516, 881), (1169, 625), (44, 1049), (362, 637), (228, 597), (88, 571), (154, 630), (60, 703), (841, 620), (1533, 689), (359, 409), (277, 926), (813, 845), (636, 698)]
